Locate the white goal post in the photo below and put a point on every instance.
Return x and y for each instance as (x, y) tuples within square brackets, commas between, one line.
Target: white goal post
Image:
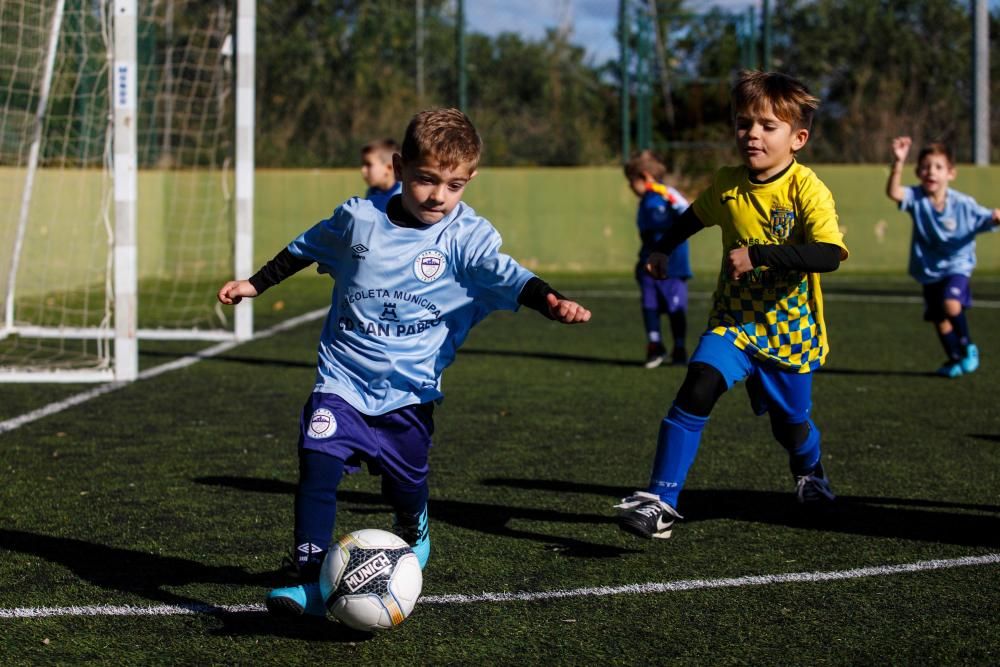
[(126, 180)]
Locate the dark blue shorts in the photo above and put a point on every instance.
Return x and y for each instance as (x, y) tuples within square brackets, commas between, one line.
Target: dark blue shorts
[(666, 296), (935, 294), (781, 393), (396, 444)]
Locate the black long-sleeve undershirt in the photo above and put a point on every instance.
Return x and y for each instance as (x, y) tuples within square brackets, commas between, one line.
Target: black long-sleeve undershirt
[(813, 257), (687, 226), (283, 265)]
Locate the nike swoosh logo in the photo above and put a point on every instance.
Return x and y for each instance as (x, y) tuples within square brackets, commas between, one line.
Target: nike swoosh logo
[(726, 198)]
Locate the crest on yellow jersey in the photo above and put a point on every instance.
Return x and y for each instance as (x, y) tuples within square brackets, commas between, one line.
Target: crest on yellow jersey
[(782, 222)]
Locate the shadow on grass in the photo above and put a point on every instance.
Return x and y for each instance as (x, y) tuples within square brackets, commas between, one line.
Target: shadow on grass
[(988, 437), (551, 356), (826, 370), (312, 629), (147, 575), (479, 517), (127, 570), (898, 518)]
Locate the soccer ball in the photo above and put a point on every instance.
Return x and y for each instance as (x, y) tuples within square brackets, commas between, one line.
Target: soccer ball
[(370, 580)]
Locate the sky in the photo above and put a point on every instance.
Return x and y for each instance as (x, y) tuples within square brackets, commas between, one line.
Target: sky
[(593, 21)]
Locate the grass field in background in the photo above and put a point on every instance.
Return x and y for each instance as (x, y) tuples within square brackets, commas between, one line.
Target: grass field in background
[(552, 219), (178, 490), (583, 219)]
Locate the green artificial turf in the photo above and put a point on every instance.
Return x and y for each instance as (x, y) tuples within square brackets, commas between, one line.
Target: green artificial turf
[(177, 490)]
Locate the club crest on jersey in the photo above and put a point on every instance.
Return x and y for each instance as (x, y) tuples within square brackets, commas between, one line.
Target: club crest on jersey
[(782, 222), (429, 266), (322, 424)]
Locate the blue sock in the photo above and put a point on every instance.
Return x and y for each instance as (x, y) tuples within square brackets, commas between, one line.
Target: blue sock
[(952, 346), (407, 500), (315, 505), (804, 457), (651, 320), (410, 505), (960, 326), (676, 447)]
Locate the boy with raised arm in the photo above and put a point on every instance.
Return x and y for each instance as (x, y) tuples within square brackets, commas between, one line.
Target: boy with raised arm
[(409, 285), (766, 327), (943, 249)]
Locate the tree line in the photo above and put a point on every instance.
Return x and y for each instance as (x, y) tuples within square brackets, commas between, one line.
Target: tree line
[(333, 74)]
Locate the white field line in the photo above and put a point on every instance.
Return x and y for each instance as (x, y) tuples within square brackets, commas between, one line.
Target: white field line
[(527, 596), (827, 296), (183, 362)]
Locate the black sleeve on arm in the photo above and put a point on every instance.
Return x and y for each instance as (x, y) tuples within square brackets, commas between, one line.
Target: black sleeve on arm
[(533, 296), (282, 266), (687, 226), (808, 257)]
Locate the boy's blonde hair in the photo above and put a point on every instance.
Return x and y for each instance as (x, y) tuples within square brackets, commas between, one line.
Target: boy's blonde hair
[(445, 135), (384, 147), (645, 162), (788, 97), (937, 148)]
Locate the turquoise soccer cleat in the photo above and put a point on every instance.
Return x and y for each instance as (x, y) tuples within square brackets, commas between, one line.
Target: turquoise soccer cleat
[(952, 369), (294, 601), (416, 533), (971, 361)]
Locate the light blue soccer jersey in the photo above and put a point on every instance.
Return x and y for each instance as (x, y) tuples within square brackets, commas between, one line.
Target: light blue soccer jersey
[(944, 242), (404, 300), (380, 198)]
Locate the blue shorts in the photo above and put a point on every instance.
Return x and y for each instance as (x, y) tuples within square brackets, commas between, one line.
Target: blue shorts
[(785, 394), (935, 294), (666, 296), (396, 444)]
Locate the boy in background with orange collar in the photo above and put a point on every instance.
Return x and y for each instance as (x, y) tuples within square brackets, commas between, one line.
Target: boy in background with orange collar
[(660, 206)]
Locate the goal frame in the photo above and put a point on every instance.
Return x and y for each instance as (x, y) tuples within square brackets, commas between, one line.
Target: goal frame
[(124, 334)]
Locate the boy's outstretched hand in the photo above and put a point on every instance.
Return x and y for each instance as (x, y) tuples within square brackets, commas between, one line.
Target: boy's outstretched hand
[(566, 311), (234, 291)]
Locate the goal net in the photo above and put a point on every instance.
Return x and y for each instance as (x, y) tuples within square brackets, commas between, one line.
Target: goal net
[(118, 180)]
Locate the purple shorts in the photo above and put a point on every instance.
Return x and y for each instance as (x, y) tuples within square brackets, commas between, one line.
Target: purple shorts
[(395, 444), (666, 296), (935, 294)]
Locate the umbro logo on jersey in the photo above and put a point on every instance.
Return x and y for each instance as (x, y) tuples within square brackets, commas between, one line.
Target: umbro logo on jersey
[(359, 250)]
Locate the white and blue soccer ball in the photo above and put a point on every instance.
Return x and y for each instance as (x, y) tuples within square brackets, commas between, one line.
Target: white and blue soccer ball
[(370, 580)]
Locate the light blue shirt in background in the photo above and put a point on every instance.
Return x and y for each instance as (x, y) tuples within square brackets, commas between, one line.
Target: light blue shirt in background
[(944, 242)]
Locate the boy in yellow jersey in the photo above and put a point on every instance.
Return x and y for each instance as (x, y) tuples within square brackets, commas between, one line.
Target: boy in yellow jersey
[(779, 231)]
